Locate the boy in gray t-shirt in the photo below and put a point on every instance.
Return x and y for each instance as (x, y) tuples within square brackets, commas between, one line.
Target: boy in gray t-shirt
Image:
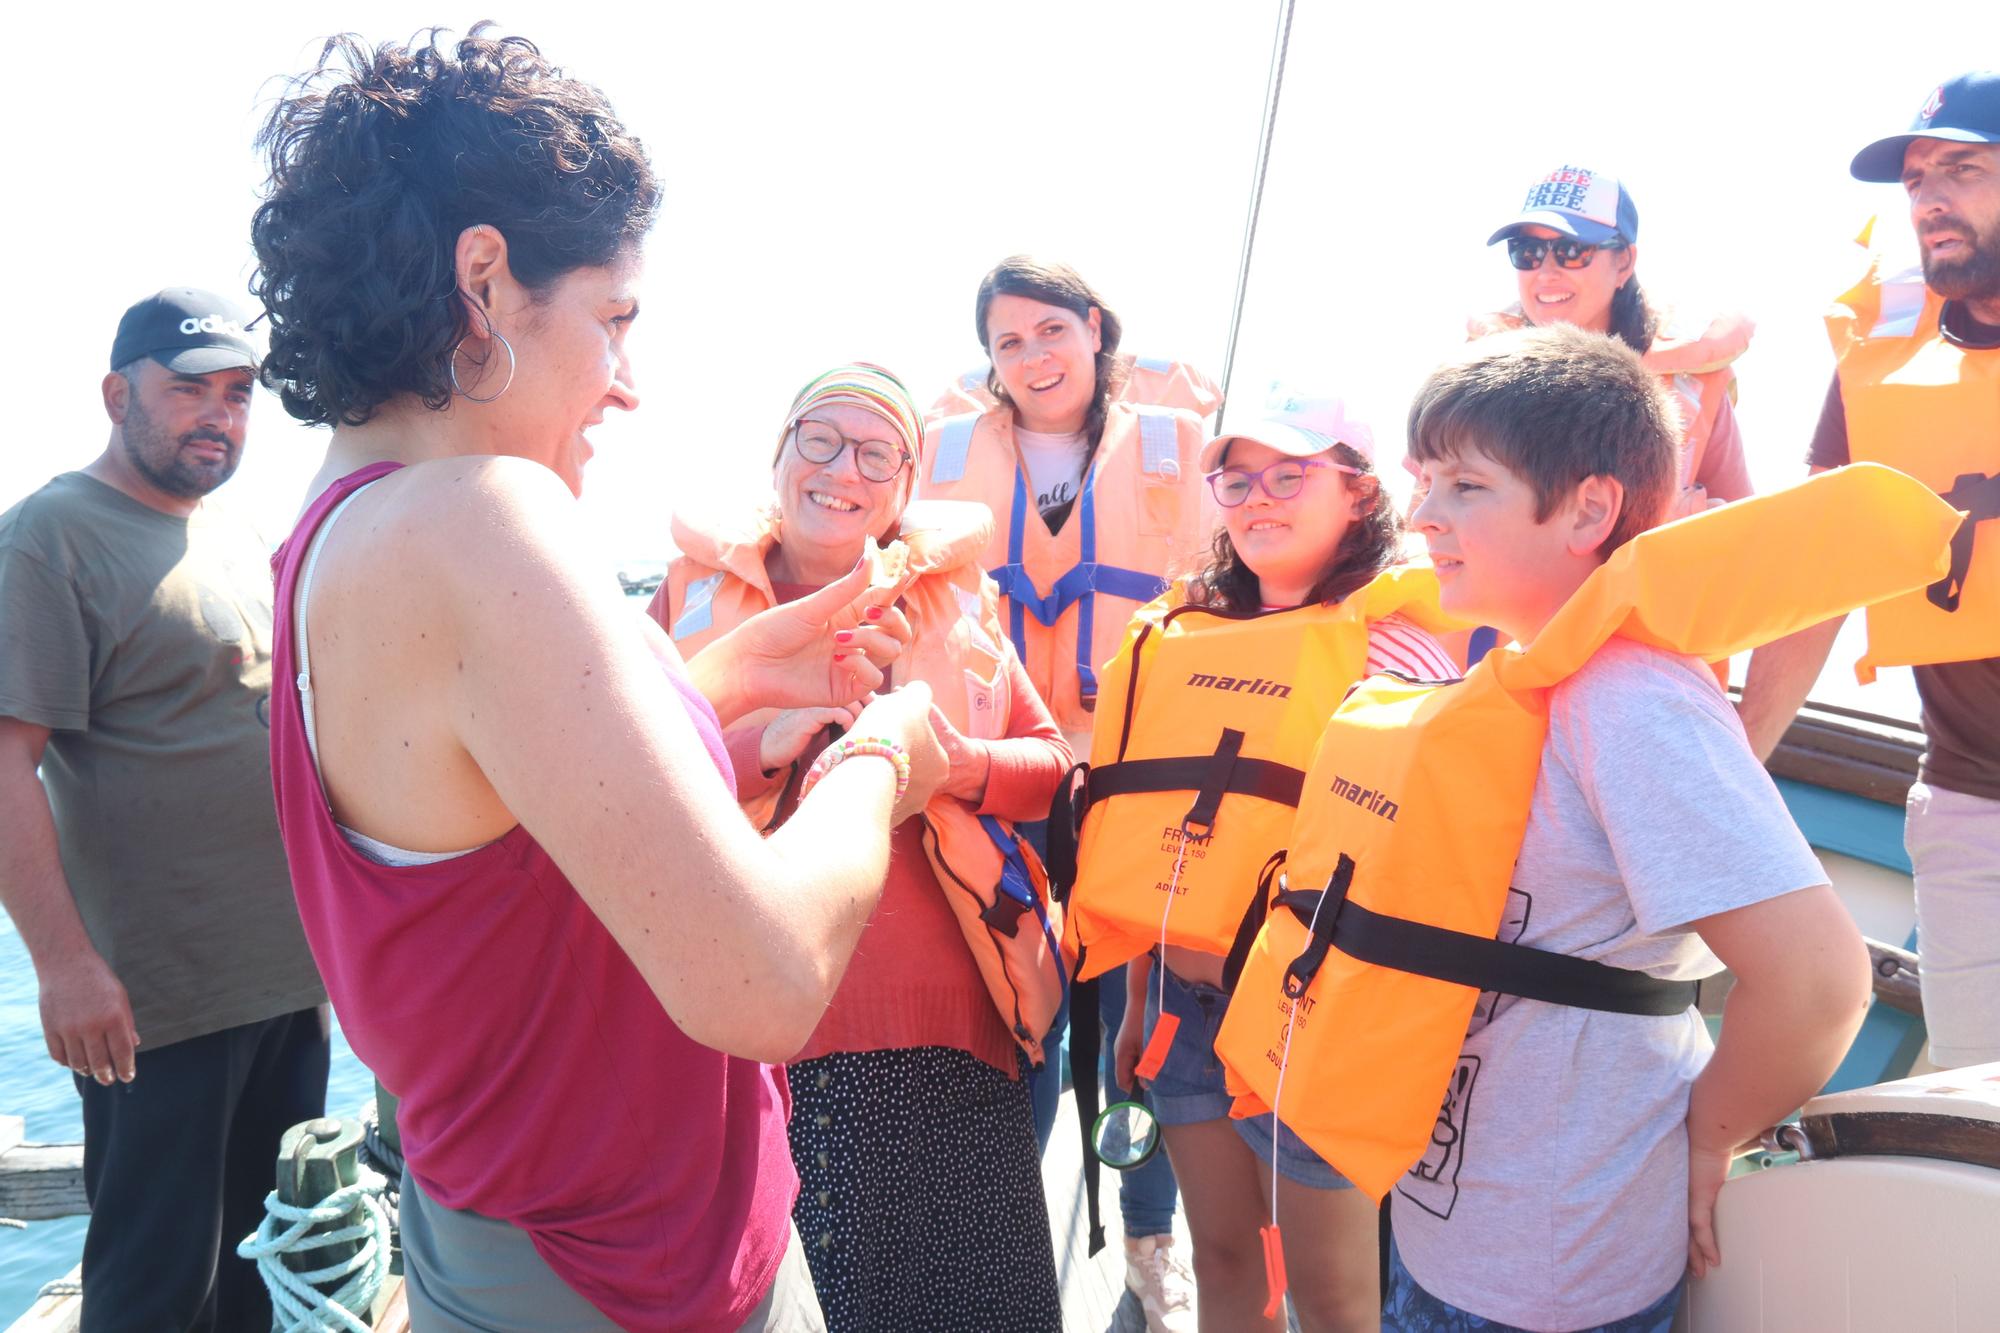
[(1580, 1152)]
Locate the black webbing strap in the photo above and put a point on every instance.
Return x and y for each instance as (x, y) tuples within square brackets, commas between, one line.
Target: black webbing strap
[(1468, 960), (1305, 904), (1979, 496), (1066, 809), (1253, 921), (1083, 1052), (1247, 777), (1215, 775)]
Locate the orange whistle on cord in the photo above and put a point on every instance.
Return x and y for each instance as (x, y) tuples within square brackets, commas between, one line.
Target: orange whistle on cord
[(1274, 1270), (1156, 1048)]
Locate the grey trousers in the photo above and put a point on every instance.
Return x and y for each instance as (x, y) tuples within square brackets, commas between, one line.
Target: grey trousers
[(463, 1273)]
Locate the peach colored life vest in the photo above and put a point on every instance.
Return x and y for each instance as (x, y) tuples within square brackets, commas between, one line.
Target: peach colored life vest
[(1142, 516), (1693, 367), (994, 881)]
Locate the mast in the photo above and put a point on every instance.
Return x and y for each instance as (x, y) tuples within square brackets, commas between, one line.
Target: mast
[(1274, 85)]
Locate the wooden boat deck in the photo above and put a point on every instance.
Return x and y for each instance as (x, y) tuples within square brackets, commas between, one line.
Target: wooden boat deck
[(1094, 1299)]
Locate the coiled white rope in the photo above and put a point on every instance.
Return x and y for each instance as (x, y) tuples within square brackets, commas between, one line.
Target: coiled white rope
[(299, 1306), (373, 1151)]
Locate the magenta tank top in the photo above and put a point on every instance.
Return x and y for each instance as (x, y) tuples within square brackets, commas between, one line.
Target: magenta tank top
[(542, 1084)]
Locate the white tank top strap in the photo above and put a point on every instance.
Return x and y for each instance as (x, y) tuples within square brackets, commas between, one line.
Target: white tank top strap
[(300, 596), (375, 850)]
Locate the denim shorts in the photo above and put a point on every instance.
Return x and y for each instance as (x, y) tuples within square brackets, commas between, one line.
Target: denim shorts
[(1190, 1088), (1408, 1308)]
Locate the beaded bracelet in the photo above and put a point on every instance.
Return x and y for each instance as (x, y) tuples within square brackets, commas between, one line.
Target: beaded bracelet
[(847, 747)]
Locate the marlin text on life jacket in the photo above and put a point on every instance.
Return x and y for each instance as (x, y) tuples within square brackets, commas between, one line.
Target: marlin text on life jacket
[(1369, 799), (1241, 684)]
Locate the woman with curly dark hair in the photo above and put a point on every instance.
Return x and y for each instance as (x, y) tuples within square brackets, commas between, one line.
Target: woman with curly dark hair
[(504, 798)]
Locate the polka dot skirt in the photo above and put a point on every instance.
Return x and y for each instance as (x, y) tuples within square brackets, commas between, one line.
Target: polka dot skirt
[(920, 1194)]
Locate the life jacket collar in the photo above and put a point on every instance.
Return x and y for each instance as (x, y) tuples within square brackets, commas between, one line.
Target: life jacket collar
[(1675, 351), (942, 535)]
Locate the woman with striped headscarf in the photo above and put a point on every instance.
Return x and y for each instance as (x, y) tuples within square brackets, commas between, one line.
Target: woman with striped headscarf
[(921, 1202)]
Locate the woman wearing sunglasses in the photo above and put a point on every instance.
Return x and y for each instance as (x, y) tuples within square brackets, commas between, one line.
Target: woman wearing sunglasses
[(1575, 254), (1096, 499), (1305, 527), (921, 1202)]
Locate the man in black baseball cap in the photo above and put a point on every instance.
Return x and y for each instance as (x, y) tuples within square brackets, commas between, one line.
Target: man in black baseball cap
[(1917, 386), (179, 398), (143, 866), (189, 331)]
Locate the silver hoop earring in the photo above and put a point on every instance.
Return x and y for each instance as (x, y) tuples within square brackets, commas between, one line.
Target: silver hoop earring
[(451, 369)]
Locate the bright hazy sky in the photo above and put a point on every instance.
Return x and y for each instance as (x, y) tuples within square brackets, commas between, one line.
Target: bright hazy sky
[(838, 177)]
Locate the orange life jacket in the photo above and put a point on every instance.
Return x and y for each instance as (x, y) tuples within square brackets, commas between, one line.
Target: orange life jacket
[(1352, 1003), (1210, 721), (1694, 368), (1148, 379), (1923, 404), (1066, 597), (988, 873)]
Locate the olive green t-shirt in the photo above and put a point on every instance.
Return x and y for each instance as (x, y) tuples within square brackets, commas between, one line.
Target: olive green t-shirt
[(143, 642)]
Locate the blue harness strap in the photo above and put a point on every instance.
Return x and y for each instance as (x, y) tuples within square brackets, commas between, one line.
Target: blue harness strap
[(1077, 587), (1014, 884)]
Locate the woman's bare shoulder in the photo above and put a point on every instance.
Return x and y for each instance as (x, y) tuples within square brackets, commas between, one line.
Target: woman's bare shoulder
[(451, 513)]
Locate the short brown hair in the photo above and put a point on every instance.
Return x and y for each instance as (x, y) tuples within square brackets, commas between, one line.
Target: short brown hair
[(1555, 406)]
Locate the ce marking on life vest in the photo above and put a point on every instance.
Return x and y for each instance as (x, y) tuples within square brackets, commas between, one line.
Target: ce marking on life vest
[(1177, 843), (1296, 1022)]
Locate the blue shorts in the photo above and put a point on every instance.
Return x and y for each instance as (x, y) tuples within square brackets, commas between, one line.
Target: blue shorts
[(1408, 1308), (1190, 1087)]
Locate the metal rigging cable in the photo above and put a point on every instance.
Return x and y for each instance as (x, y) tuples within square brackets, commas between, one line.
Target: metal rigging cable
[(1274, 84)]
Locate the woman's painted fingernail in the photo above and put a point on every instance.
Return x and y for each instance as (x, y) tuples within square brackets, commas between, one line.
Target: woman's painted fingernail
[(843, 636), (840, 657), (874, 613)]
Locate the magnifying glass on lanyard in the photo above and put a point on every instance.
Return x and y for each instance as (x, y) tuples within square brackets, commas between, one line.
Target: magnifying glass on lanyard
[(1125, 1135)]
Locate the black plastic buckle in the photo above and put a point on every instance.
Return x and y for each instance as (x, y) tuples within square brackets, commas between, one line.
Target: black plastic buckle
[(1324, 915), (1979, 496)]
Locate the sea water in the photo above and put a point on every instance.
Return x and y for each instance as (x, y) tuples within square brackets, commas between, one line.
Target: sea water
[(36, 1087)]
